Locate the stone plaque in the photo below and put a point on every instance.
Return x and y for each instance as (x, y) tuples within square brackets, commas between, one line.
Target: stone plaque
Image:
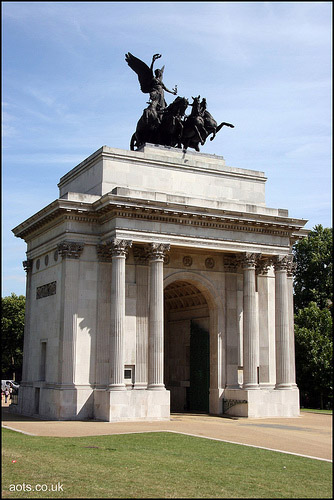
[(46, 290)]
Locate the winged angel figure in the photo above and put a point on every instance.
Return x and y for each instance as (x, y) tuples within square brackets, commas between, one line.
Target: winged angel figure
[(150, 83)]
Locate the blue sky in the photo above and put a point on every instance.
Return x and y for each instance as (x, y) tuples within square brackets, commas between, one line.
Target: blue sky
[(67, 91)]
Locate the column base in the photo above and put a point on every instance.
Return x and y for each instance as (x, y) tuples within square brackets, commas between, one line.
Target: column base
[(156, 387), (283, 387), (116, 387), (140, 386), (263, 403), (56, 402), (132, 405), (251, 387)]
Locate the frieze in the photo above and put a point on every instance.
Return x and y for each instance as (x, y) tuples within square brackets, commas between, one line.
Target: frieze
[(197, 220), (46, 290), (212, 243)]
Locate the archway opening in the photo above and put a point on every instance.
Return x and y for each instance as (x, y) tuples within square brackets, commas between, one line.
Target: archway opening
[(187, 347)]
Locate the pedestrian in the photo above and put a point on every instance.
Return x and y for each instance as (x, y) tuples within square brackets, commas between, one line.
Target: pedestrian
[(11, 393), (6, 394)]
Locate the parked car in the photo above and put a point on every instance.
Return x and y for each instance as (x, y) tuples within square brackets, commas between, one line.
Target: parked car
[(9, 383)]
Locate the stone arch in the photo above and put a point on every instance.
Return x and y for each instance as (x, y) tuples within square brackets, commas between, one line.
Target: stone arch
[(216, 328), (201, 282)]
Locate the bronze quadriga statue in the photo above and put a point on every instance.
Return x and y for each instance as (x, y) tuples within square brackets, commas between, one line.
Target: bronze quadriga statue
[(168, 125)]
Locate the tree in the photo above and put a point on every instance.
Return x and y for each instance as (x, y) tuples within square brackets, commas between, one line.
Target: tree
[(314, 355), (313, 281), (12, 325), (313, 299)]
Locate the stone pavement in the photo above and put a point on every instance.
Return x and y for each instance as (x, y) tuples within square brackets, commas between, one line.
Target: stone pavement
[(308, 435)]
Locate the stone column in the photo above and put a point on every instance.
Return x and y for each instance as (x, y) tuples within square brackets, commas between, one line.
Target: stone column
[(102, 366), (27, 264), (141, 372), (250, 330), (119, 249), (156, 254), (290, 270), (282, 329), (231, 322), (265, 339), (70, 252)]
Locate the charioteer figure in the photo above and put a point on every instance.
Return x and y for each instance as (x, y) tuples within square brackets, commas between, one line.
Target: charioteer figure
[(150, 83)]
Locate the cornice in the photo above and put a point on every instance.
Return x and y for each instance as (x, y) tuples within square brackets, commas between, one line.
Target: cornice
[(112, 206), (54, 211)]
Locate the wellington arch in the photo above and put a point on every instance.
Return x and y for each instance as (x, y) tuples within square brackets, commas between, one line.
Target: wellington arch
[(191, 376), (159, 281)]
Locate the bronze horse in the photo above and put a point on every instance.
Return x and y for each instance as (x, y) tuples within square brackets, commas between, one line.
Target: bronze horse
[(160, 126), (199, 125), (210, 123), (170, 130), (194, 131), (147, 126)]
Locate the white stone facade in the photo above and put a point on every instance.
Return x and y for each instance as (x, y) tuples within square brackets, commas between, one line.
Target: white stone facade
[(140, 250)]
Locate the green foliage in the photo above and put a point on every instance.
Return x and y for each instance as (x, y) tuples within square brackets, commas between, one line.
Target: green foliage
[(313, 281), (314, 354), (313, 299), (12, 327)]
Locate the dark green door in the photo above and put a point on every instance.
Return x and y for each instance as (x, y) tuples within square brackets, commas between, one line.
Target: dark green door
[(199, 369)]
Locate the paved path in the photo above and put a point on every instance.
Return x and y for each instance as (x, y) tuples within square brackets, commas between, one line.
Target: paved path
[(308, 435)]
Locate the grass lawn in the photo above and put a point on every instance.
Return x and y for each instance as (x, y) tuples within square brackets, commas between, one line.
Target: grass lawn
[(311, 410), (155, 465)]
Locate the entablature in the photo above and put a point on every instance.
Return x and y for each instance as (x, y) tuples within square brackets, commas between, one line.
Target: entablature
[(112, 206)]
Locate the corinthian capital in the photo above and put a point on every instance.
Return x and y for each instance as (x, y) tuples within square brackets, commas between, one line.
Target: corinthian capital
[(292, 266), (119, 248), (249, 260), (140, 255), (70, 249), (283, 262), (27, 265), (157, 251), (230, 263), (262, 266)]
